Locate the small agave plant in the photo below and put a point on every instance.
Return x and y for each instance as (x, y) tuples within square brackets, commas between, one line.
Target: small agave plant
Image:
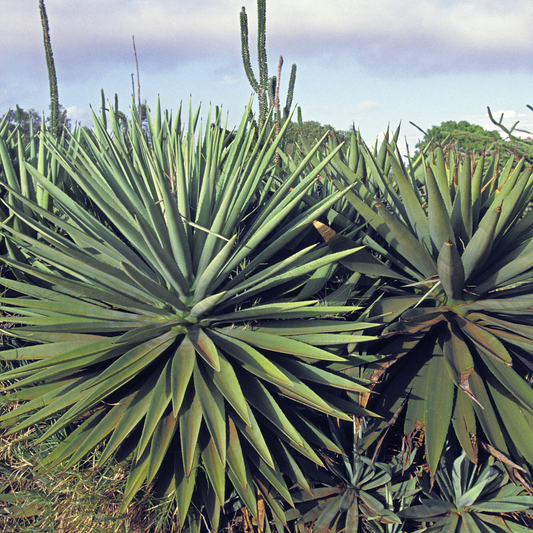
[(361, 494), (468, 499), (165, 319), (451, 241)]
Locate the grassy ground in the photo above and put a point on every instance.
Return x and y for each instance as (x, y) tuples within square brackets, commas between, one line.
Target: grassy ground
[(83, 499)]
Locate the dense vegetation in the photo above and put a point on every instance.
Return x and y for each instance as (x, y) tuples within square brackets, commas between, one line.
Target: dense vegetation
[(466, 137), (266, 327)]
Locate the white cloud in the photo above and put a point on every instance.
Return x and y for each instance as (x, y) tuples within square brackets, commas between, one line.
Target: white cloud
[(80, 115), (407, 37), (89, 34), (229, 79), (468, 23), (367, 105)]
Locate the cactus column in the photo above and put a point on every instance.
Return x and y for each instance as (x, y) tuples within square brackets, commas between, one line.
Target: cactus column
[(54, 95)]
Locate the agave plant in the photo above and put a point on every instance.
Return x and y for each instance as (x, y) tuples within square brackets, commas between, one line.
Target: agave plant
[(169, 322), (17, 150), (361, 494), (452, 243), (13, 153), (468, 499)]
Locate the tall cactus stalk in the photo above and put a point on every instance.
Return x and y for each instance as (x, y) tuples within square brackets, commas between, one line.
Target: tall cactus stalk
[(265, 88), (138, 82), (290, 93), (54, 94), (276, 96), (259, 87)]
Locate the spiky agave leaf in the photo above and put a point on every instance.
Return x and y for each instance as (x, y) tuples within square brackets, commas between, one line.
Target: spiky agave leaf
[(457, 303), (154, 320)]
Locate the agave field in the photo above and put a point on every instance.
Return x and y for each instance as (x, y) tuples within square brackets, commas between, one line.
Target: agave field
[(338, 341), (203, 331)]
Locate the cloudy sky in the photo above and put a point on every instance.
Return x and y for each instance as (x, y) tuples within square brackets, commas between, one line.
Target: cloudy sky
[(359, 61)]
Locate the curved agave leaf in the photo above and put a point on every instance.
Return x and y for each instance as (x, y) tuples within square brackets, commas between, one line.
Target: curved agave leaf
[(440, 225), (479, 247), (157, 315), (451, 270)]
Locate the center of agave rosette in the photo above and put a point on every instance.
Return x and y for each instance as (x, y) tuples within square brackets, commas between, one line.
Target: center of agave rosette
[(420, 318)]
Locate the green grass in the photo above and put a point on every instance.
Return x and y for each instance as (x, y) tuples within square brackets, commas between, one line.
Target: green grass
[(83, 499)]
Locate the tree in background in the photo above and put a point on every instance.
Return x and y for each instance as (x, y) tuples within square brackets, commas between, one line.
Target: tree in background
[(472, 138), (312, 130), (466, 137), (22, 118)]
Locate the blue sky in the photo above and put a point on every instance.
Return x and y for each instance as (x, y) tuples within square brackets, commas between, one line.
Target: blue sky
[(359, 61)]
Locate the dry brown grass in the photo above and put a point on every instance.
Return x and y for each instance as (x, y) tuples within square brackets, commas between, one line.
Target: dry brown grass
[(83, 499)]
